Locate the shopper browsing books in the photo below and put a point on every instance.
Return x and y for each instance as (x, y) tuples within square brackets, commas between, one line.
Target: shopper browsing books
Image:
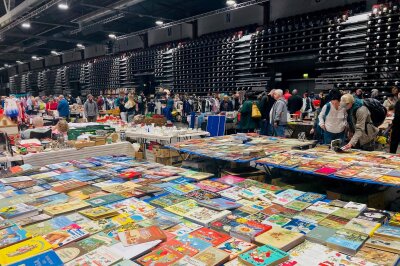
[(279, 114), (333, 118), (91, 109), (361, 125), (248, 123)]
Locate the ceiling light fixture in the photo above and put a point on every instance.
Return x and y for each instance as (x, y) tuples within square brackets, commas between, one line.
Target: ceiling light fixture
[(19, 62), (63, 6), (231, 2), (112, 36), (80, 46), (34, 57), (6, 65), (54, 52), (26, 25), (159, 22)]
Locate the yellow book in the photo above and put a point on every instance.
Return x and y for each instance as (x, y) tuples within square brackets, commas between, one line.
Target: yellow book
[(23, 250), (65, 207), (99, 212)]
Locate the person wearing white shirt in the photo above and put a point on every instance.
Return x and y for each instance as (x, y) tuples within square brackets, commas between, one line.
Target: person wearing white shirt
[(333, 118)]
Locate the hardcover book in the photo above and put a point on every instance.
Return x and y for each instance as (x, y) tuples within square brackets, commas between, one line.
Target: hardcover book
[(346, 241), (23, 250), (234, 247), (141, 235), (205, 216), (212, 256), (211, 236), (280, 238), (320, 234), (362, 226), (264, 255), (11, 235)]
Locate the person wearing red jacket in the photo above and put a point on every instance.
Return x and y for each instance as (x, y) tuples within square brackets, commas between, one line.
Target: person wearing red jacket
[(51, 105)]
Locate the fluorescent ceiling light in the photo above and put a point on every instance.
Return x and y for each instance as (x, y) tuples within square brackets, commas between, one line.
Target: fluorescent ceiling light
[(231, 3), (34, 57), (19, 62), (54, 52), (112, 36), (159, 23), (26, 25), (63, 6), (80, 46)]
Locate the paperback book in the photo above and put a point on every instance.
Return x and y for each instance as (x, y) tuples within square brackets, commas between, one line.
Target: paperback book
[(213, 237), (264, 255), (347, 241)]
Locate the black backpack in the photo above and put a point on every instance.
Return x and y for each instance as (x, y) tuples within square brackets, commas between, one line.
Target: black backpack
[(377, 110)]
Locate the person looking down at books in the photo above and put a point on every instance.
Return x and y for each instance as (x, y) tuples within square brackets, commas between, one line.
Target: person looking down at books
[(361, 125), (279, 114), (38, 131), (333, 118)]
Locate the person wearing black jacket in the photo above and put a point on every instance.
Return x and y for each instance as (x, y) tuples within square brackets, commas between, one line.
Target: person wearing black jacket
[(395, 136), (266, 103), (295, 103)]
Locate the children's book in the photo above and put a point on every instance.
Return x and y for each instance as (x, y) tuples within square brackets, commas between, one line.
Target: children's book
[(264, 255), (248, 229), (5, 223), (384, 243), (99, 213), (48, 258), (362, 226), (277, 219), (184, 249), (194, 242), (388, 231), (212, 186), (65, 235), (297, 205), (280, 238), (133, 251), (65, 207), (346, 241), (205, 216), (183, 228), (11, 235), (167, 200), (45, 227), (102, 256), (209, 235), (68, 185), (183, 207), (103, 200), (160, 256), (324, 207), (320, 234), (355, 206), (23, 250), (230, 179), (188, 261), (202, 194), (299, 226), (18, 211), (346, 213), (141, 235), (181, 189), (377, 256), (220, 204), (311, 197), (334, 222), (233, 193), (234, 247), (212, 256)]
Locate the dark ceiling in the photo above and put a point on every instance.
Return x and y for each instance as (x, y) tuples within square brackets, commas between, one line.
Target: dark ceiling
[(55, 29)]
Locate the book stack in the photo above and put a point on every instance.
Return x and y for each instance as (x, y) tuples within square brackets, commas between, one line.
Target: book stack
[(83, 212)]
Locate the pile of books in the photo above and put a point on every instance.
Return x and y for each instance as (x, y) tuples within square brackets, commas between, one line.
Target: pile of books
[(378, 167), (113, 210), (244, 147)]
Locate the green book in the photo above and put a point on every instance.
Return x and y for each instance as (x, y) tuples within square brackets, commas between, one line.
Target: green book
[(264, 255), (320, 234)]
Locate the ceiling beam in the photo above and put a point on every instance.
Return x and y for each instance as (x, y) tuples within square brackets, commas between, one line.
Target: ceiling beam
[(53, 24), (47, 38)]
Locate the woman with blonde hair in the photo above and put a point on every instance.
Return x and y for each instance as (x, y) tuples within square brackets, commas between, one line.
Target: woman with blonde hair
[(130, 107)]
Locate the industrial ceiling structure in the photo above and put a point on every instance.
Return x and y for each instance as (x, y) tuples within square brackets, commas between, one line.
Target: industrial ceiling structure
[(32, 29)]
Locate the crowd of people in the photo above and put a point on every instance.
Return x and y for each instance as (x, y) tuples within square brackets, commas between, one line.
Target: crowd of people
[(338, 115)]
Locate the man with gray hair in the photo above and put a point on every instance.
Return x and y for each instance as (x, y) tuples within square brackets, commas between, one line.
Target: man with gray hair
[(91, 109), (295, 102), (278, 114)]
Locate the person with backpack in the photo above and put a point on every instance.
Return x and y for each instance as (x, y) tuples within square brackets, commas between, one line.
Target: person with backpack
[(363, 126), (249, 117), (279, 114), (333, 119)]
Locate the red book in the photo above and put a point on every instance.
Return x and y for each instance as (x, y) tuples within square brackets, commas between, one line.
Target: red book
[(130, 175), (180, 247), (211, 236)]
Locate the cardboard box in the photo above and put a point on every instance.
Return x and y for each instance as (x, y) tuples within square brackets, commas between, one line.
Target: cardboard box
[(98, 140), (82, 144), (165, 153)]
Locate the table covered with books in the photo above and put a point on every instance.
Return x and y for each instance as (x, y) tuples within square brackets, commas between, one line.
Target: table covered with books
[(113, 210), (241, 148), (379, 168)]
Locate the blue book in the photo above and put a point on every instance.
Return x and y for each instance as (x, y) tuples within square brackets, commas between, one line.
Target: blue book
[(194, 242), (11, 235), (299, 226), (181, 180), (311, 197), (49, 258), (220, 204), (346, 241)]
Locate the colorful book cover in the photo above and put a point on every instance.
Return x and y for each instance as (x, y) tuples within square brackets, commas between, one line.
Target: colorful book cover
[(346, 213), (99, 212), (205, 216), (377, 256), (161, 256), (258, 217), (395, 219), (297, 205), (120, 187), (212, 256), (68, 185), (133, 206), (311, 197), (212, 186), (188, 261), (264, 255), (103, 200), (384, 243), (49, 200), (277, 219), (202, 194), (299, 226), (280, 238), (181, 189), (362, 226), (101, 256), (23, 250), (45, 227), (375, 215), (133, 251), (324, 207), (65, 235), (65, 207), (347, 241), (233, 193), (248, 230), (234, 247), (230, 179), (334, 222), (219, 204), (182, 207), (141, 235), (388, 231), (18, 210), (209, 235), (274, 209), (225, 224), (184, 249), (12, 235), (194, 242), (183, 228), (320, 234), (48, 258), (355, 206)]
